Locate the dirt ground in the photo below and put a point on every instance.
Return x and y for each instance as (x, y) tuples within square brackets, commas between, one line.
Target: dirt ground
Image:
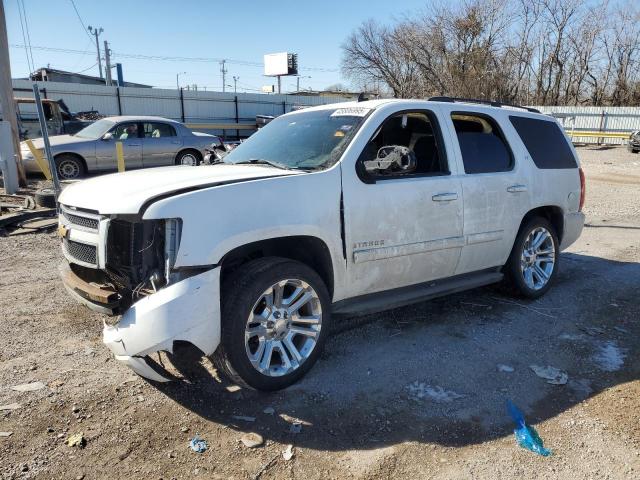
[(417, 392)]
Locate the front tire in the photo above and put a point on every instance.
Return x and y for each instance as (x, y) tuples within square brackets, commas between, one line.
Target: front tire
[(69, 167), (533, 262), (275, 319)]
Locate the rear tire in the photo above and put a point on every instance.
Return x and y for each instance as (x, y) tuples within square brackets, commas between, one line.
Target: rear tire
[(275, 320), (533, 263), (188, 157)]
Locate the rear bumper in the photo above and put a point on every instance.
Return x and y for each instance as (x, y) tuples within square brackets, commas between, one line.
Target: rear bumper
[(573, 224), (188, 310)]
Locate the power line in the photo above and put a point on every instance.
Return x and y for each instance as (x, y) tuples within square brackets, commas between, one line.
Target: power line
[(84, 28), (244, 63), (24, 39), (26, 25), (88, 68)]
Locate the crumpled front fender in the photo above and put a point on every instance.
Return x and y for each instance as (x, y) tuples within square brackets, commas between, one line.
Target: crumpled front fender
[(188, 310)]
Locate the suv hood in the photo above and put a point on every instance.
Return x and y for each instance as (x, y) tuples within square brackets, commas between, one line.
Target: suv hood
[(127, 192)]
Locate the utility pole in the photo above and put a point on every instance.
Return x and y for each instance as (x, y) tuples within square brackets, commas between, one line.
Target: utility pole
[(223, 70), (178, 79), (235, 81), (8, 109), (107, 64), (298, 77), (96, 33)]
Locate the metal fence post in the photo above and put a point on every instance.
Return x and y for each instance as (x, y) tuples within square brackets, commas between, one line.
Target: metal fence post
[(119, 102), (45, 138), (235, 100), (181, 105)]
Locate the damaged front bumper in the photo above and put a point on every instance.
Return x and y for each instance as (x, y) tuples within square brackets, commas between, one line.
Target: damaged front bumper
[(188, 310)]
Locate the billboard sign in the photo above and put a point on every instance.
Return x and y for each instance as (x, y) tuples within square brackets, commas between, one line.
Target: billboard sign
[(276, 64)]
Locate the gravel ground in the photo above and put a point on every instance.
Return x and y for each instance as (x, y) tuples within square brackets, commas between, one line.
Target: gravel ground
[(416, 392)]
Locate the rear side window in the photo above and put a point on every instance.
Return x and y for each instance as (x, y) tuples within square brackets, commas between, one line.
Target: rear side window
[(482, 144), (158, 130), (545, 142)]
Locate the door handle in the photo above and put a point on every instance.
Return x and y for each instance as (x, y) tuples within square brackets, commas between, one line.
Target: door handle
[(133, 145), (176, 142), (444, 197), (517, 188)]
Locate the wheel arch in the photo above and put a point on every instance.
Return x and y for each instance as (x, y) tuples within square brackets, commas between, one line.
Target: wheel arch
[(307, 249), (553, 213)]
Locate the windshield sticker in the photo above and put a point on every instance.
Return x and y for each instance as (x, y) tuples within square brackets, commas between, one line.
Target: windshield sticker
[(339, 133), (345, 128), (351, 112)]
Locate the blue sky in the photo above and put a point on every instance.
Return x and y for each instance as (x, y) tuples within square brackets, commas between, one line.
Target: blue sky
[(239, 30)]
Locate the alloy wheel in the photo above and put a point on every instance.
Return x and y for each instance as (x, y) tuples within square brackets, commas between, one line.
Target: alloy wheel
[(538, 258), (188, 159), (283, 327), (68, 169)]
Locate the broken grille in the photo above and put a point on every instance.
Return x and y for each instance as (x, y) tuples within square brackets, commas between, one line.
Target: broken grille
[(81, 251), (85, 222)]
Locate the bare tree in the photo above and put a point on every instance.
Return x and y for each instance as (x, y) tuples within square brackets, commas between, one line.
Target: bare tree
[(530, 51)]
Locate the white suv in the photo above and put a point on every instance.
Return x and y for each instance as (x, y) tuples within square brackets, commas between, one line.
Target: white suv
[(335, 210)]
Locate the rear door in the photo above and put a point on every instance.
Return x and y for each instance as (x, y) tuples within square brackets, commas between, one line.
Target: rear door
[(160, 144), (402, 227), (495, 186)]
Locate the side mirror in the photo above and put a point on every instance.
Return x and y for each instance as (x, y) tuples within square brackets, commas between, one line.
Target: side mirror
[(107, 136), (393, 158)]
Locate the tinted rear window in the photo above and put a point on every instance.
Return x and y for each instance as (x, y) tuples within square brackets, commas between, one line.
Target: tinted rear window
[(545, 142)]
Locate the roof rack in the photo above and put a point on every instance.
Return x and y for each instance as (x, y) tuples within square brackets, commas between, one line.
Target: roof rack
[(481, 102)]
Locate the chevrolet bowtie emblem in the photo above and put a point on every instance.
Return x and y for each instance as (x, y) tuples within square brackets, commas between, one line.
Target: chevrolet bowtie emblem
[(62, 230)]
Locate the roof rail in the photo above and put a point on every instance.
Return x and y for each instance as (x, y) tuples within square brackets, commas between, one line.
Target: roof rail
[(482, 102)]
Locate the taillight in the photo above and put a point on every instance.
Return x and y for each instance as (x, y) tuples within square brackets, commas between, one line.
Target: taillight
[(583, 189)]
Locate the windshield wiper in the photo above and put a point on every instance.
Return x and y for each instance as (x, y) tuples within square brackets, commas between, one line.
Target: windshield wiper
[(262, 161)]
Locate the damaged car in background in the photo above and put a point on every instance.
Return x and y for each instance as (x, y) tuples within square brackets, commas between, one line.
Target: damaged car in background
[(634, 142), (146, 142), (331, 211)]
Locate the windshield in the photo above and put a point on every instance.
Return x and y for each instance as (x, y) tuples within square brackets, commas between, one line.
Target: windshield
[(96, 130), (307, 140)]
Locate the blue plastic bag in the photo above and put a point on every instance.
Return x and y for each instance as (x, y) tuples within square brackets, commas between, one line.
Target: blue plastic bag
[(198, 445), (526, 436)]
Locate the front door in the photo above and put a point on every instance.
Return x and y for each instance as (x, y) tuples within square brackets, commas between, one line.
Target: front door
[(127, 133), (159, 145), (404, 220)]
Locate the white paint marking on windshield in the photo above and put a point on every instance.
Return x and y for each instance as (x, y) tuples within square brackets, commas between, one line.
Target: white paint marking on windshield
[(351, 112)]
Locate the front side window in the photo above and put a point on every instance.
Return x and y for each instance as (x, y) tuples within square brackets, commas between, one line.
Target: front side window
[(406, 144), (311, 140), (126, 131), (482, 144), (158, 130)]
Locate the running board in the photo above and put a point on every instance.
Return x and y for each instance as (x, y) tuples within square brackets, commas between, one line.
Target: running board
[(399, 297)]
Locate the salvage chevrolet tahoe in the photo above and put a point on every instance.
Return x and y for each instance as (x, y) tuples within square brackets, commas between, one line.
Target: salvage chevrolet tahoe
[(335, 210)]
